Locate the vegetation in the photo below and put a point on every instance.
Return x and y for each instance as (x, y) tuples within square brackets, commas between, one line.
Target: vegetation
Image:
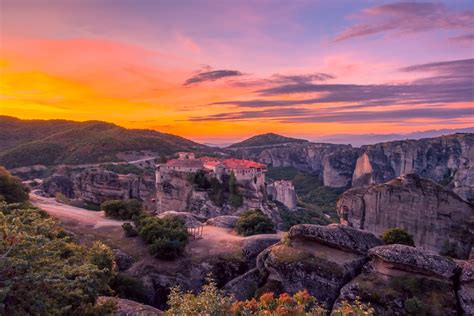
[(128, 287), (25, 143), (77, 203), (122, 209), (301, 216), (254, 222), (397, 236), (225, 190), (212, 301), (129, 230), (266, 139), (43, 272), (11, 188), (235, 199), (167, 237), (123, 168), (313, 196)]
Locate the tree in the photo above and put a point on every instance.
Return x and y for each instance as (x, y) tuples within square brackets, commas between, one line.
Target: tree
[(254, 222), (122, 209), (397, 236), (43, 272), (11, 188)]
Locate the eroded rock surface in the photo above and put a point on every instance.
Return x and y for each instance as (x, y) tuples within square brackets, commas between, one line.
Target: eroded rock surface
[(401, 280), (438, 219), (466, 287), (224, 221)]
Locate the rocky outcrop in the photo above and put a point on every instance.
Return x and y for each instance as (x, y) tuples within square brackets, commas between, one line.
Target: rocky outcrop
[(252, 246), (401, 280), (284, 192), (437, 218), (333, 163), (446, 160), (97, 185), (320, 259), (245, 286), (123, 260), (466, 287), (126, 307), (224, 221)]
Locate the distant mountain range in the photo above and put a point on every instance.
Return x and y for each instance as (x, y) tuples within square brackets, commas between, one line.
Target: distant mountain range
[(52, 142)]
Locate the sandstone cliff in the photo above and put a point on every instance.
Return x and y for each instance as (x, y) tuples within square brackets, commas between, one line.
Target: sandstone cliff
[(437, 218), (448, 160), (98, 185)]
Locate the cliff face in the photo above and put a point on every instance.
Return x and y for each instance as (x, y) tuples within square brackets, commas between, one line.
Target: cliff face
[(98, 185), (441, 159), (448, 160), (437, 218)]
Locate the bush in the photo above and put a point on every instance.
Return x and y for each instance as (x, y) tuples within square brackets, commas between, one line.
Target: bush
[(397, 236), (121, 209), (11, 188), (129, 287), (167, 236), (129, 230), (254, 222), (43, 272)]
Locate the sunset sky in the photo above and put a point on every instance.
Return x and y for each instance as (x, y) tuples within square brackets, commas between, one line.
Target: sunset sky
[(222, 70)]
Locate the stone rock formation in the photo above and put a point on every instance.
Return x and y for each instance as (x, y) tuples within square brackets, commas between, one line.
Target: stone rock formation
[(127, 307), (98, 185), (123, 260), (284, 192), (438, 219), (466, 287), (320, 259), (224, 221), (401, 280), (448, 160)]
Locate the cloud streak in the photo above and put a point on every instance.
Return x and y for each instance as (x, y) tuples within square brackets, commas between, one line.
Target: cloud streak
[(407, 17), (450, 82), (212, 76)]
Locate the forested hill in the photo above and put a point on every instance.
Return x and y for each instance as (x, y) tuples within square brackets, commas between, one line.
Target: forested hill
[(50, 142), (266, 139)]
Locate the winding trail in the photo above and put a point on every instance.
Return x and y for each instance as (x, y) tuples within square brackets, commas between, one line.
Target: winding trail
[(66, 212)]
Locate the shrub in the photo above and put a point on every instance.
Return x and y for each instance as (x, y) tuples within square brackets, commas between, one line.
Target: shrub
[(43, 272), (254, 222), (210, 301), (414, 306), (11, 188), (167, 236), (397, 236), (129, 230), (129, 287), (121, 209)]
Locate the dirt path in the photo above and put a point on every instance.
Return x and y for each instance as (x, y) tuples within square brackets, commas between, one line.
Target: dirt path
[(70, 213)]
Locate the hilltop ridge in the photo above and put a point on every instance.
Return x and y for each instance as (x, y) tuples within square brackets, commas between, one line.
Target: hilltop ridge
[(266, 140)]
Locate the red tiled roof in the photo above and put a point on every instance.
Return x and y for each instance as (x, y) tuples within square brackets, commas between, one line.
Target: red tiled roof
[(208, 159), (191, 163), (242, 164)]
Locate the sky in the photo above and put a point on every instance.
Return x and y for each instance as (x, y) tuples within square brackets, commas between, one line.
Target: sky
[(223, 70)]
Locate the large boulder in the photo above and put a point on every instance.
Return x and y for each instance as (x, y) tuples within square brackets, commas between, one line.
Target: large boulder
[(466, 287), (438, 219), (224, 221), (127, 307), (403, 280), (252, 246), (320, 259), (245, 286)]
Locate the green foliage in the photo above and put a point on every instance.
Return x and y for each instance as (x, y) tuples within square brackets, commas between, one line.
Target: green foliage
[(129, 230), (254, 222), (128, 287), (218, 192), (11, 188), (313, 196), (43, 272), (235, 199), (200, 180), (414, 306), (266, 139), (397, 236), (25, 143), (77, 203), (210, 301), (301, 216), (167, 236), (123, 168), (122, 209)]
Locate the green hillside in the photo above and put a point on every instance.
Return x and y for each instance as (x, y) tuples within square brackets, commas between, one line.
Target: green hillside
[(266, 139), (51, 142)]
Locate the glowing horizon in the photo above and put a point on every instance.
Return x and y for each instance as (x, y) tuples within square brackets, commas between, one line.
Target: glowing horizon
[(219, 70)]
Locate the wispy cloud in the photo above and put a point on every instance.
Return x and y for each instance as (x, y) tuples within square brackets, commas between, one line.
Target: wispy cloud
[(408, 17), (212, 76), (450, 82)]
